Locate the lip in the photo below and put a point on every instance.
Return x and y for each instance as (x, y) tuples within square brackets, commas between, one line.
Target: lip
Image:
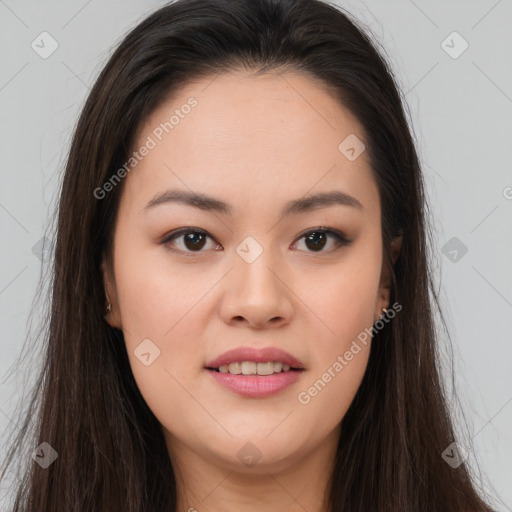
[(262, 355), (256, 386)]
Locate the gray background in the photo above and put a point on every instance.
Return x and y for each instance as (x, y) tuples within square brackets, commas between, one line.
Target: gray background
[(460, 110)]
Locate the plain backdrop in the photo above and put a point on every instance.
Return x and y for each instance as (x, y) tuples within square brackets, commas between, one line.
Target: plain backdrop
[(452, 60)]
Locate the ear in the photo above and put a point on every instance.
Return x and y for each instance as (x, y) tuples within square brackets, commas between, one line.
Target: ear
[(385, 279), (112, 317)]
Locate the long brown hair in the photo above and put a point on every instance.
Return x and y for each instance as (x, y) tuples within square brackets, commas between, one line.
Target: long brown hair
[(86, 404)]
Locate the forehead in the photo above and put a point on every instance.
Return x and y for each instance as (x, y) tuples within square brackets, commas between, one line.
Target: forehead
[(277, 134)]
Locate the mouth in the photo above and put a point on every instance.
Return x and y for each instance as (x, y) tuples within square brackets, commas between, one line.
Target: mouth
[(255, 380), (255, 373), (253, 368)]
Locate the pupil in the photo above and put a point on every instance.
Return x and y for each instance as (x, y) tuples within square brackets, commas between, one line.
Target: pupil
[(313, 237), (195, 244)]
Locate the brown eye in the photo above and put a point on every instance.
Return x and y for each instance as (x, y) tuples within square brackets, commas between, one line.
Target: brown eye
[(316, 240), (192, 240)]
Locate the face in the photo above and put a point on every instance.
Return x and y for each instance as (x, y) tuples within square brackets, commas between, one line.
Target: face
[(249, 267)]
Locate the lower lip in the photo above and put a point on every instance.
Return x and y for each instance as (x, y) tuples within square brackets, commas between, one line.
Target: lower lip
[(256, 386)]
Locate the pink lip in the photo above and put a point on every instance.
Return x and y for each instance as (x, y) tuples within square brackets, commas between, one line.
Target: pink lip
[(263, 355), (256, 386)]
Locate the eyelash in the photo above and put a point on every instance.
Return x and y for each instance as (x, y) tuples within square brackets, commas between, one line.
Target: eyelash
[(337, 235)]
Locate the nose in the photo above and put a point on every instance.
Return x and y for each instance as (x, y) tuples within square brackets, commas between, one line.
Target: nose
[(257, 294)]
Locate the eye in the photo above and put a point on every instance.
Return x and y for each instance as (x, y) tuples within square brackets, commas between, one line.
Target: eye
[(193, 241), (316, 239)]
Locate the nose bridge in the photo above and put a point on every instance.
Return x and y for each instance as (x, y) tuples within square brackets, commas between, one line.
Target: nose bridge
[(256, 291), (253, 264)]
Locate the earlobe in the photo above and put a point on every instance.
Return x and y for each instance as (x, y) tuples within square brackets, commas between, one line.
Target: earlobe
[(111, 307), (385, 281), (396, 246)]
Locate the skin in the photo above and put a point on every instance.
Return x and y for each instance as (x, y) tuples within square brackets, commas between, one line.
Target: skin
[(254, 143)]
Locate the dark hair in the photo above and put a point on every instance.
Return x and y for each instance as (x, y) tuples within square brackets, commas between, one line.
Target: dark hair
[(112, 455)]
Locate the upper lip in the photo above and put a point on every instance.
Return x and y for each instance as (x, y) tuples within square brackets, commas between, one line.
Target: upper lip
[(262, 355)]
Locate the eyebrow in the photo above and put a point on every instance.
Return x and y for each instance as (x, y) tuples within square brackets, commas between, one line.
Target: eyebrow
[(210, 204)]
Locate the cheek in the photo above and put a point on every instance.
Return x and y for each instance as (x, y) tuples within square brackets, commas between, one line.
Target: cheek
[(157, 298), (329, 391), (345, 306), (343, 298), (339, 356), (159, 309)]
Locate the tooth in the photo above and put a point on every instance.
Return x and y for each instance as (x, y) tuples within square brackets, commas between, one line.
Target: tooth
[(253, 368), (248, 368), (265, 368), (235, 368), (278, 366)]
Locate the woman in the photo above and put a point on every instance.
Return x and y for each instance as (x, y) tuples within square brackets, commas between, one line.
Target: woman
[(241, 317)]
